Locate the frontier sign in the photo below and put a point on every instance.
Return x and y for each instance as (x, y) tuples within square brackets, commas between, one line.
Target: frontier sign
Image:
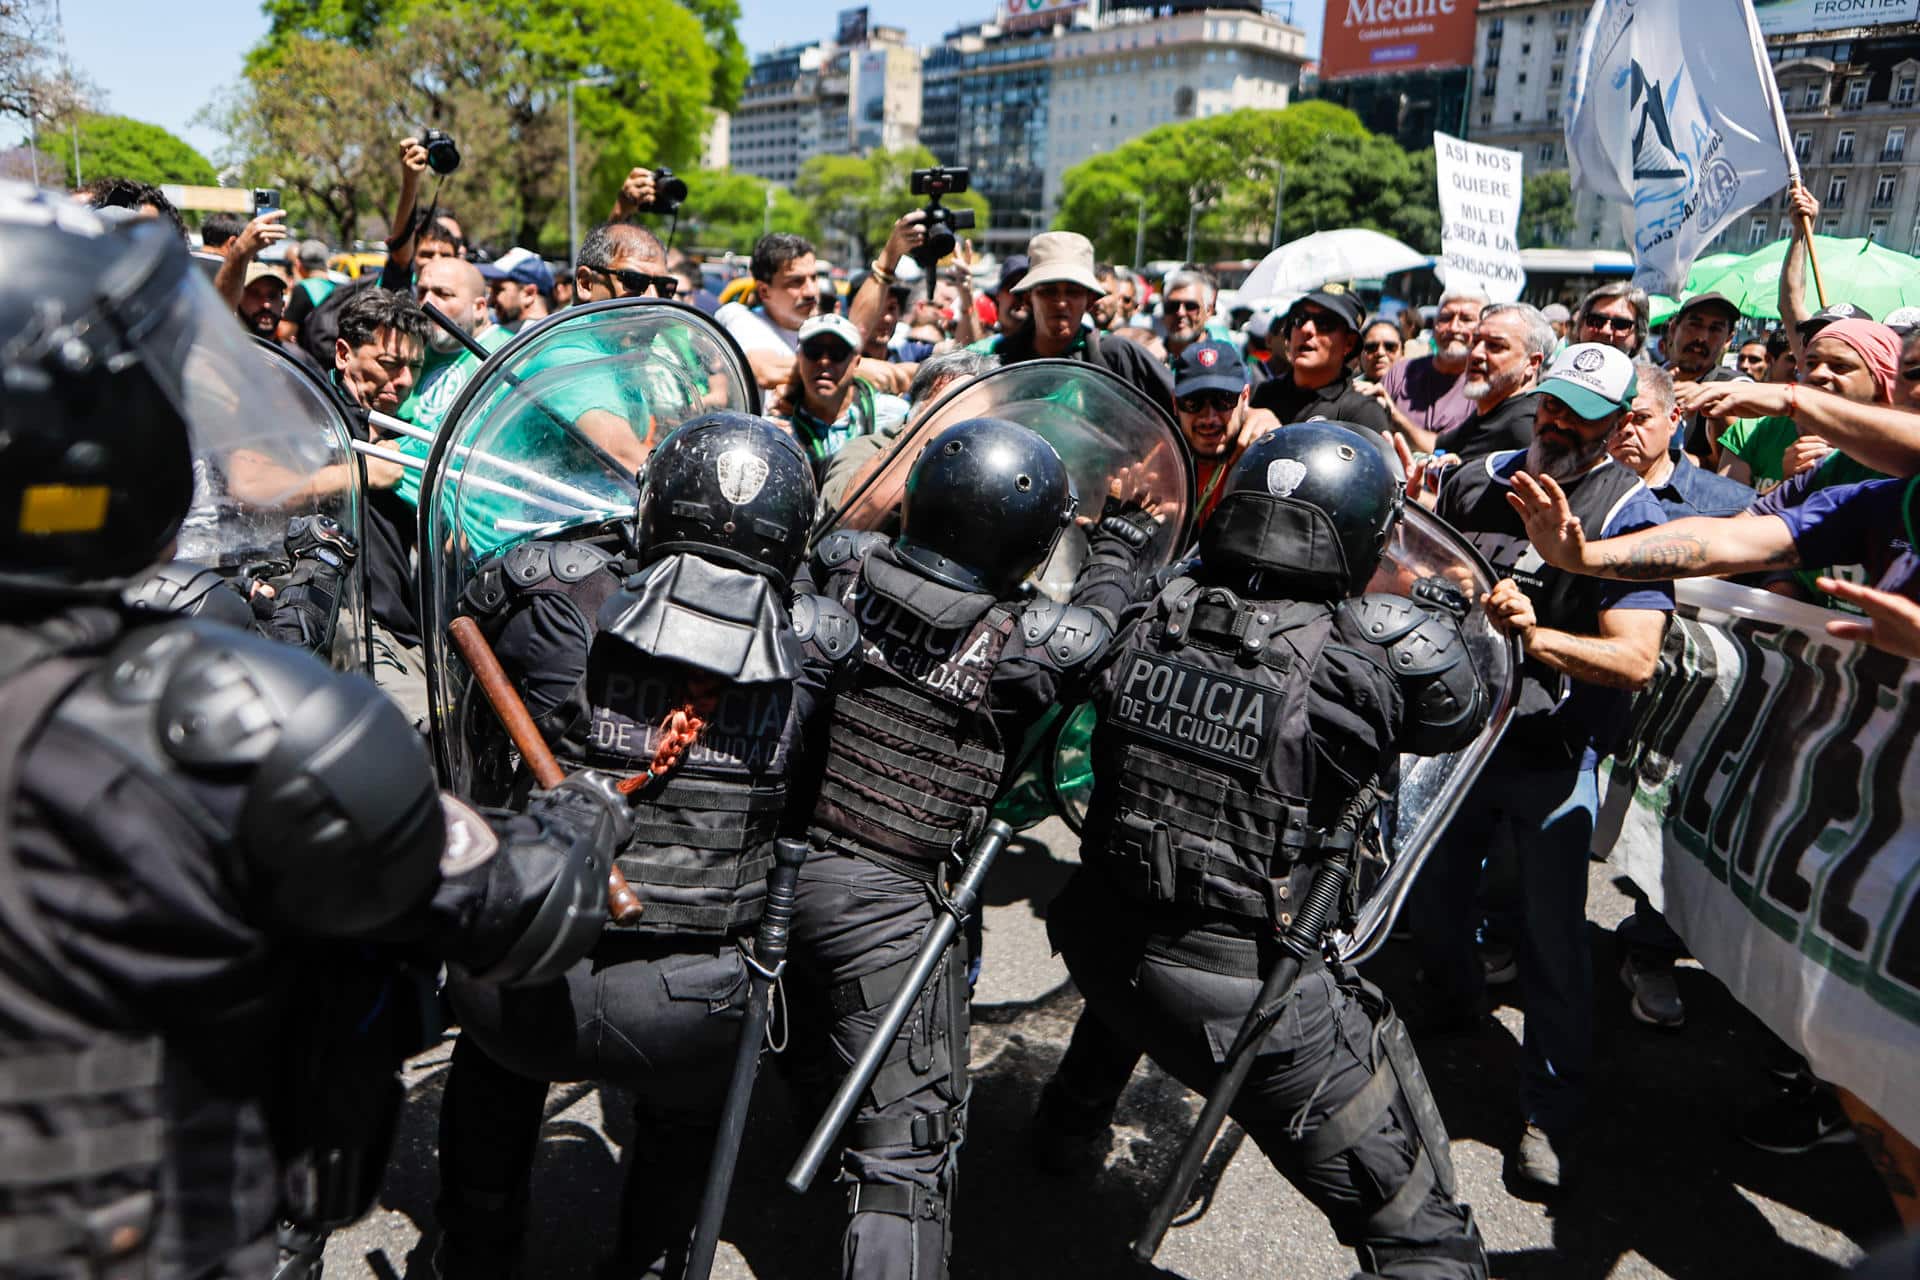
[(1379, 37)]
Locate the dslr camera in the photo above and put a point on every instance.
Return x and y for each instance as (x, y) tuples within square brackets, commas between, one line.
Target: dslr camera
[(669, 192), (442, 156), (942, 222)]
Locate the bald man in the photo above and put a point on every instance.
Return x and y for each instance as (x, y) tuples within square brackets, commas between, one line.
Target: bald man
[(456, 287)]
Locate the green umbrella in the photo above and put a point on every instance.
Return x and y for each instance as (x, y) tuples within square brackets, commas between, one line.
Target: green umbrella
[(1853, 270), (1660, 308), (1705, 269)]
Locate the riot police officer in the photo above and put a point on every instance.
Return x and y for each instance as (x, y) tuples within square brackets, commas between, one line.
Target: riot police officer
[(189, 814), (688, 671), (1248, 704), (301, 607), (958, 661)]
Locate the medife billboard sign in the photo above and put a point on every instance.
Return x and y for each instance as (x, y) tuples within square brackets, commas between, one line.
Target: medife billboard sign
[(1784, 17), (1380, 37)]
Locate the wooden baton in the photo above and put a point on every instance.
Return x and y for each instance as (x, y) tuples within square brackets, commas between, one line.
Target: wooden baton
[(622, 903)]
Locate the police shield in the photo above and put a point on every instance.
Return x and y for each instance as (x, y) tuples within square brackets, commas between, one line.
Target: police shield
[(284, 452), (1430, 788), (545, 441), (1098, 422)]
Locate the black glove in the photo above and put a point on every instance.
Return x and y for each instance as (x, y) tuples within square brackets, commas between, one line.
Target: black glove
[(1127, 521), (583, 799), (1441, 596), (320, 538)]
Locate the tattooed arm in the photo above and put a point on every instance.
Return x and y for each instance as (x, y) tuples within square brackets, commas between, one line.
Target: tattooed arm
[(1691, 547), (1622, 656)]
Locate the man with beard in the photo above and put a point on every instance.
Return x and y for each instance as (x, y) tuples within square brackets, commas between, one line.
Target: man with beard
[(519, 289), (1185, 309), (1322, 334), (262, 303), (1588, 644), (1509, 347), (1210, 393), (1427, 395), (1696, 340), (457, 288)]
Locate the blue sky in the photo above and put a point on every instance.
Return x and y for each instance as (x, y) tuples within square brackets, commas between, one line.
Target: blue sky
[(163, 62)]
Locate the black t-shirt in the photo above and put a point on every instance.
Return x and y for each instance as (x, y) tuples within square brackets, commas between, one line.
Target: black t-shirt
[(1337, 401), (1508, 426), (391, 525), (1123, 356)]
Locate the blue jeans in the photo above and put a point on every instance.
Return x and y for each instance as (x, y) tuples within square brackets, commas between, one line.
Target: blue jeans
[(1550, 815)]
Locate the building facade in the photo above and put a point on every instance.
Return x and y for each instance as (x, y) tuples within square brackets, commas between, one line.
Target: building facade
[(984, 105), (825, 99)]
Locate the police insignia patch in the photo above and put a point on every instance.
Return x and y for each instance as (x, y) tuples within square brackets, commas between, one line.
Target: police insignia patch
[(741, 475), (1284, 476)]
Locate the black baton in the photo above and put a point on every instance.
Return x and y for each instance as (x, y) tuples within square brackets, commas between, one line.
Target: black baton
[(933, 947), (769, 957)]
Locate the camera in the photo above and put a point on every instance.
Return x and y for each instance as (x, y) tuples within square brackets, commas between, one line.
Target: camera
[(941, 222), (442, 156), (669, 192)]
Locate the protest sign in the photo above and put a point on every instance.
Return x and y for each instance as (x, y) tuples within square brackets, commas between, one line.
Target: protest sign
[(1479, 215)]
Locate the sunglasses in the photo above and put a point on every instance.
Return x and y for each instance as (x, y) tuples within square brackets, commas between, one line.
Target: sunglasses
[(635, 283), (1911, 373), (1184, 306), (829, 349), (1379, 346), (1201, 401), (1619, 324)]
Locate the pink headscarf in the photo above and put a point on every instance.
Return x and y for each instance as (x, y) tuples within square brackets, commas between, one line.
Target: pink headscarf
[(1874, 343)]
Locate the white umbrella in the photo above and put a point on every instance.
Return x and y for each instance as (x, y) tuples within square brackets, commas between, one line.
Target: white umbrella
[(1311, 261)]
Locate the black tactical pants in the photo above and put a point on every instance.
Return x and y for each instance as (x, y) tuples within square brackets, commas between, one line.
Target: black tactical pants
[(657, 1017), (1318, 1056), (857, 927)]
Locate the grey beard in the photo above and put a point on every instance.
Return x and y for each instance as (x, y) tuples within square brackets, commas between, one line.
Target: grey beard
[(1547, 459)]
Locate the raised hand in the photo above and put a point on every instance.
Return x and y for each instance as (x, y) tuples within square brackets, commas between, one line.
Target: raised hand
[(1556, 533)]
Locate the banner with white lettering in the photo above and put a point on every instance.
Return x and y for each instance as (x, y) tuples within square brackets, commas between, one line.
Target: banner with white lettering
[(1769, 803), (1672, 111), (1479, 216)]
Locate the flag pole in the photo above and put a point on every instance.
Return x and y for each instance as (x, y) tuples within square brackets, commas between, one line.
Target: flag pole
[(1802, 221), (1805, 224)]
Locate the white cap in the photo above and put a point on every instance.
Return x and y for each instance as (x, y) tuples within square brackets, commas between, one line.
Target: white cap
[(1592, 379), (837, 325)]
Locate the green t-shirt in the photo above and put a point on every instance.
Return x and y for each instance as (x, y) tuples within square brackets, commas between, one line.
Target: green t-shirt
[(1761, 443), (442, 376)]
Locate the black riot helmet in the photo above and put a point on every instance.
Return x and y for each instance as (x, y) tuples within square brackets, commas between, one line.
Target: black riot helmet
[(730, 487), (1310, 507), (984, 505), (99, 323)]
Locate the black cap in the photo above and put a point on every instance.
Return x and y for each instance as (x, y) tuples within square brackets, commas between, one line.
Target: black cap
[(1340, 300), (1710, 299), (1012, 268), (1827, 315), (1209, 366)]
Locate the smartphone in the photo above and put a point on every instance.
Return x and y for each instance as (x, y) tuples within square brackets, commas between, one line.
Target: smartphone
[(265, 200)]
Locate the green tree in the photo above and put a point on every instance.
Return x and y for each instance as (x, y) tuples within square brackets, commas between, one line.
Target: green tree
[(727, 210), (1546, 210), (1336, 174), (125, 148), (855, 200)]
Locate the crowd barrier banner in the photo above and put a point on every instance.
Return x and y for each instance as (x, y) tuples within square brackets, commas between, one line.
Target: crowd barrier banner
[(1769, 803)]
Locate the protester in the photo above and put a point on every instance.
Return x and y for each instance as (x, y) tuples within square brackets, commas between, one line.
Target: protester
[(1426, 396), (1510, 346), (1751, 359), (1210, 394), (519, 289), (1641, 444), (1323, 335), (1615, 314), (1186, 305), (785, 296), (1379, 350), (1697, 338), (854, 461), (143, 198), (1587, 646), (262, 303), (1857, 360), (826, 403), (313, 284), (217, 230), (457, 289), (1259, 349), (1559, 317)]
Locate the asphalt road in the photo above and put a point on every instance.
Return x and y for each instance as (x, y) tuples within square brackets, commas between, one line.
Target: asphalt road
[(1667, 1189)]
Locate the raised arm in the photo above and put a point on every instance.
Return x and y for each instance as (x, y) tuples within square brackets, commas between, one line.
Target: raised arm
[(1691, 547)]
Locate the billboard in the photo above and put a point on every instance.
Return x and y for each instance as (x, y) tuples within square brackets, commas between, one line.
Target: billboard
[(1380, 37), (1022, 15), (1783, 17), (853, 28)]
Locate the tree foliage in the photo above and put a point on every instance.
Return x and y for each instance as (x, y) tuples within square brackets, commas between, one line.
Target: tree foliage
[(1336, 174), (855, 200), (336, 83), (35, 84), (1546, 210), (127, 148), (728, 210)]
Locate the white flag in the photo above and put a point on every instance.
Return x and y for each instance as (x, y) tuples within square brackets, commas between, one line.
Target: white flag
[(1673, 114), (1479, 213)]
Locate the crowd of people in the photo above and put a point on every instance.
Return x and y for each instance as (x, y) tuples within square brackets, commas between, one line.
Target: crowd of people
[(1587, 456)]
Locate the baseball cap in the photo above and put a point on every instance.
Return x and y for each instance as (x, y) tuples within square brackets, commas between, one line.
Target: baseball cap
[(1209, 366), (522, 266), (1709, 299), (1338, 299), (1592, 379), (313, 253), (836, 325), (1012, 268), (1827, 315)]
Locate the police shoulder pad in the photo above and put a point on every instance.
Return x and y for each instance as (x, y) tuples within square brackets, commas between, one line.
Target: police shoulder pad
[(530, 564), (825, 623), (574, 561), (1066, 634), (1418, 641), (1382, 618), (844, 546), (487, 593)]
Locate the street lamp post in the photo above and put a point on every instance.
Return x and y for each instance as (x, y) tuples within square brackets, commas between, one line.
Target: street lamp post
[(1139, 231), (573, 186), (1279, 195)]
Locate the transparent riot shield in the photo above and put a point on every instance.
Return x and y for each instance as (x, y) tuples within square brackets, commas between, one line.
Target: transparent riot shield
[(285, 452), (1099, 423), (545, 441), (1430, 788)]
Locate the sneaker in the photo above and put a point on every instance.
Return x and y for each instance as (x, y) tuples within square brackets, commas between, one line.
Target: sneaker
[(1497, 960), (1791, 1123), (1656, 995), (1544, 1160)]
